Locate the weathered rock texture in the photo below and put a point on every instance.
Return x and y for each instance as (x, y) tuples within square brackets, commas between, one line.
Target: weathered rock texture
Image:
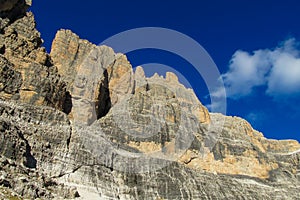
[(97, 78), (79, 123), (26, 71)]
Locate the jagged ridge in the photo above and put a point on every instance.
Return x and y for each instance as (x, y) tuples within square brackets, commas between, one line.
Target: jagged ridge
[(90, 126)]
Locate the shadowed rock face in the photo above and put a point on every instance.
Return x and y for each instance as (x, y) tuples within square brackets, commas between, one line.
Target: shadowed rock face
[(81, 122), (27, 74), (97, 78), (13, 8)]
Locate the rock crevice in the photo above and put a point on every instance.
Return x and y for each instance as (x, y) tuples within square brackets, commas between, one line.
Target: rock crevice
[(81, 123)]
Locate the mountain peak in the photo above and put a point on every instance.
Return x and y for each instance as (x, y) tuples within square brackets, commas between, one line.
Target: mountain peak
[(81, 124), (171, 77)]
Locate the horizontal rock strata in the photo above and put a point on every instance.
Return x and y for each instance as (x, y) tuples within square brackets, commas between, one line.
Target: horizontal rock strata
[(81, 123)]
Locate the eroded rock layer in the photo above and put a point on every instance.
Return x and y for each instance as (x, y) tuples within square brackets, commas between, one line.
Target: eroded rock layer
[(26, 73), (81, 123)]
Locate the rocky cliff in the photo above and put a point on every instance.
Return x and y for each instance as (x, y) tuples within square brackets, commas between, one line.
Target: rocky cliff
[(81, 123)]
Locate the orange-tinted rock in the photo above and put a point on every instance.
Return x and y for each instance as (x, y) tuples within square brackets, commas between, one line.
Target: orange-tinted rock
[(23, 60), (96, 77)]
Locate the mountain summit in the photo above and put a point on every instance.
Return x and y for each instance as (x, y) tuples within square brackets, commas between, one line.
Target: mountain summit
[(81, 123)]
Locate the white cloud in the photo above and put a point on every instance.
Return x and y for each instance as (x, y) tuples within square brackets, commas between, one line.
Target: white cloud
[(278, 69), (245, 72), (284, 77)]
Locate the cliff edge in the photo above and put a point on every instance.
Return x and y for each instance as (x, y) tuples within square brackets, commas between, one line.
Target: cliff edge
[(81, 123)]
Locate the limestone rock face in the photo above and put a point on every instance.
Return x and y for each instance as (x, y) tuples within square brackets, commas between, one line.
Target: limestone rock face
[(97, 78), (57, 157), (160, 116), (27, 74), (241, 150), (121, 135), (28, 137)]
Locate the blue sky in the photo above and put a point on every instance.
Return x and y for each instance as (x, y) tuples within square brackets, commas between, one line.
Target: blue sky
[(255, 45)]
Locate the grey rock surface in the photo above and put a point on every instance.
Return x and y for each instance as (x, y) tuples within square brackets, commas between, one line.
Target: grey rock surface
[(88, 127), (64, 161), (27, 73), (96, 77)]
